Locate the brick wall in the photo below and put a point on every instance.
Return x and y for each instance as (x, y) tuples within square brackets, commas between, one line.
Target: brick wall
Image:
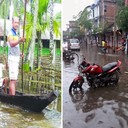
[(108, 10)]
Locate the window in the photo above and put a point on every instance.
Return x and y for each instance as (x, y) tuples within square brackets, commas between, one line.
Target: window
[(105, 8)]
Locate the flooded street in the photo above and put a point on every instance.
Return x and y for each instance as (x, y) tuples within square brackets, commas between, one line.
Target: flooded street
[(104, 107), (14, 117)]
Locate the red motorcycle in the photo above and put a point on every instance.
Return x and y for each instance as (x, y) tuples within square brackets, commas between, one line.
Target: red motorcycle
[(96, 75)]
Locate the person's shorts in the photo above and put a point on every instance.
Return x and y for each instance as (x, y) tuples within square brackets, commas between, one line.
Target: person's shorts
[(13, 69)]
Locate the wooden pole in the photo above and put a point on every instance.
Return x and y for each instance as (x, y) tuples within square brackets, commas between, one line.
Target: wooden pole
[(5, 16), (23, 43)]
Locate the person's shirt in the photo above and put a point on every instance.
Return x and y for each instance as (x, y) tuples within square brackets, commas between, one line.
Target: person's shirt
[(103, 43), (13, 52), (2, 67)]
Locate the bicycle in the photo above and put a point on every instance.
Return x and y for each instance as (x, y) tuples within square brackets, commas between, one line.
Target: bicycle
[(70, 56)]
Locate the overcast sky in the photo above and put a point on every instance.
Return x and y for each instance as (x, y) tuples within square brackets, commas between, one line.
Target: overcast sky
[(72, 7)]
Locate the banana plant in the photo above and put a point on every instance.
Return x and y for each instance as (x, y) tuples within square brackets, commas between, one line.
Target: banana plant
[(43, 23), (52, 43)]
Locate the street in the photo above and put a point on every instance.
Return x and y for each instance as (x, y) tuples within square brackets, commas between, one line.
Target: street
[(103, 107)]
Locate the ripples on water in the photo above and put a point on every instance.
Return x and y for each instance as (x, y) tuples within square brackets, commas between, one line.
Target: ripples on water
[(13, 117), (103, 108)]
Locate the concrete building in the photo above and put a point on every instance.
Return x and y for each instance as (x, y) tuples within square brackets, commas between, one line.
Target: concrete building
[(103, 14)]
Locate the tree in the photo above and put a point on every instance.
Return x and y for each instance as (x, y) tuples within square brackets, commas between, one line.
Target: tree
[(34, 34), (43, 21), (122, 19), (84, 21), (120, 3), (52, 23), (2, 7)]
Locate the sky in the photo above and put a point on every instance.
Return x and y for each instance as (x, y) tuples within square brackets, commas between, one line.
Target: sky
[(71, 8)]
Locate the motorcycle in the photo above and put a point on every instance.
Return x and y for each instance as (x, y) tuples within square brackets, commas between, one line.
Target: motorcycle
[(96, 75), (68, 55)]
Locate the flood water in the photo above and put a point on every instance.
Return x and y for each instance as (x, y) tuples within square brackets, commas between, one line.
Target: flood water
[(14, 117), (104, 107)]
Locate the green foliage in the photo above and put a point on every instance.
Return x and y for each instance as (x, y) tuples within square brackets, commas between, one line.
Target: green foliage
[(58, 51), (18, 7), (2, 8), (43, 21), (120, 3), (56, 28), (26, 66), (122, 19), (45, 51), (84, 21), (43, 6), (3, 50), (75, 33)]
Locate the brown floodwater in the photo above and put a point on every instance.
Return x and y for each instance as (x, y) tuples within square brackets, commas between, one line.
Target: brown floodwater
[(14, 117)]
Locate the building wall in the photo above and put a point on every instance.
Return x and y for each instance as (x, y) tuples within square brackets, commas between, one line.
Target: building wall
[(108, 10), (104, 11), (72, 26)]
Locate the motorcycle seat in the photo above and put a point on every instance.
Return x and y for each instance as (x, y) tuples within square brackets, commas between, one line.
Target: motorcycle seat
[(109, 66)]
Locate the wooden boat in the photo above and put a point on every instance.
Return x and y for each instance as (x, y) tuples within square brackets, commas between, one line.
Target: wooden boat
[(34, 103)]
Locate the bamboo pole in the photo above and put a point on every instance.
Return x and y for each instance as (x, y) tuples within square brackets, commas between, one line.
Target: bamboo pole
[(23, 43), (5, 16)]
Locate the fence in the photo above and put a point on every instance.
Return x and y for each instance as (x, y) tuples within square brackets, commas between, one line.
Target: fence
[(41, 81)]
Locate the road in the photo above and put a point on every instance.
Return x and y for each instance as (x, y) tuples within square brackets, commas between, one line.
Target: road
[(105, 107)]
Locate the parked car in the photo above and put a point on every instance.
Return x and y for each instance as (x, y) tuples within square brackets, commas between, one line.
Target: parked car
[(74, 44)]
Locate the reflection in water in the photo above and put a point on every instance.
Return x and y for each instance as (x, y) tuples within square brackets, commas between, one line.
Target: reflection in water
[(14, 117), (103, 106), (53, 116)]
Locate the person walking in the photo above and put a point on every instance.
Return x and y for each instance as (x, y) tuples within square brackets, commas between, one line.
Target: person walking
[(104, 46), (14, 54)]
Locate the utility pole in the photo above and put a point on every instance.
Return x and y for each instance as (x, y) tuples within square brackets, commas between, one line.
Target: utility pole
[(114, 27), (126, 51)]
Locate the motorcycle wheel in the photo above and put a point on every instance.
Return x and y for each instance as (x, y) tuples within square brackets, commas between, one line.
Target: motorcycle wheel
[(75, 85), (114, 78), (77, 95)]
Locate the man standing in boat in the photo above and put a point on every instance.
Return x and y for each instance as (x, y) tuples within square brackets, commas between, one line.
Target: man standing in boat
[(14, 54)]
